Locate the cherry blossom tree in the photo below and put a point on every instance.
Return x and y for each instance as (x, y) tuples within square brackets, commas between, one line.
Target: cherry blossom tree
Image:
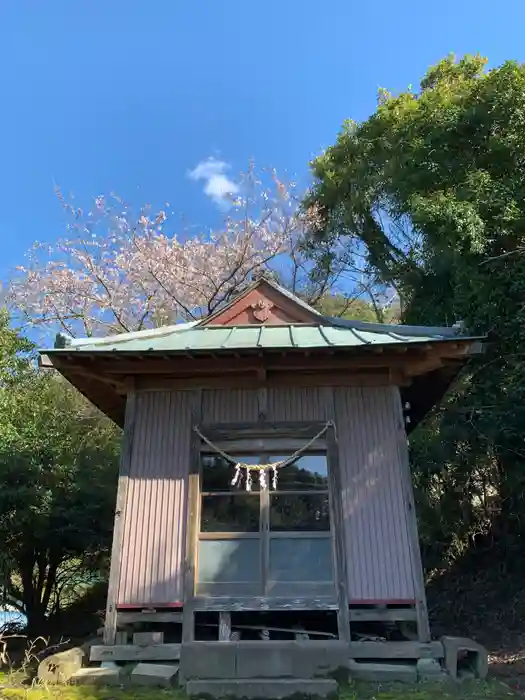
[(120, 270)]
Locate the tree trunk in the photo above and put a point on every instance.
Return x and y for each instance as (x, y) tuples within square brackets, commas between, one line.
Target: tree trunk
[(33, 589)]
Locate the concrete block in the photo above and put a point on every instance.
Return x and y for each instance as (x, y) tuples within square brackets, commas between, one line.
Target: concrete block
[(142, 639), (293, 659), (430, 670), (454, 647), (96, 676), (264, 661), (377, 672), (316, 659), (163, 675), (428, 666), (201, 660), (257, 688)]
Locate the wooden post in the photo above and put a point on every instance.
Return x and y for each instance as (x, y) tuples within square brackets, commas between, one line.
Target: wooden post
[(262, 404), (192, 526), (225, 627), (336, 517), (423, 627), (110, 623)]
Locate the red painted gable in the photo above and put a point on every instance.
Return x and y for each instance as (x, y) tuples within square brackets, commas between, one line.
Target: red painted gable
[(262, 304)]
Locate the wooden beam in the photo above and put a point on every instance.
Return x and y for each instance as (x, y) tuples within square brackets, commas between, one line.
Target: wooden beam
[(268, 362), (116, 380), (224, 604), (130, 618), (383, 615), (267, 444), (110, 623), (238, 381), (296, 430), (44, 362), (396, 650), (413, 369), (133, 652)]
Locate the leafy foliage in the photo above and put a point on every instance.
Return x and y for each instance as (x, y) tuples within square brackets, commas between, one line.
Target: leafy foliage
[(58, 467), (432, 188)]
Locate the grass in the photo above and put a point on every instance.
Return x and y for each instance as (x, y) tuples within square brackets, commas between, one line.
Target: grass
[(490, 690)]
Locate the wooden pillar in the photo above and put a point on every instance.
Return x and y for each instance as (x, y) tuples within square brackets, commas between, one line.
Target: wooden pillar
[(336, 517), (192, 526), (423, 627), (110, 623)]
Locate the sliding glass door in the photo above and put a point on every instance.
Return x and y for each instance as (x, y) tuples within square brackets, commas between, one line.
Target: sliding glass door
[(273, 540)]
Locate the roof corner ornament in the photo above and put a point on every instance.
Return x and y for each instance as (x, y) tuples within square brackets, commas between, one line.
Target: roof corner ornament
[(262, 309), (62, 341)]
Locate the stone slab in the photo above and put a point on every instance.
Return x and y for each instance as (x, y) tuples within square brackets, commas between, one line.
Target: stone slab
[(377, 672), (259, 688), (110, 664), (96, 676), (207, 660), (453, 646), (163, 675)]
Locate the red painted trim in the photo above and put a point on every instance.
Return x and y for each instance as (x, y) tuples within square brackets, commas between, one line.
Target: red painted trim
[(145, 606)]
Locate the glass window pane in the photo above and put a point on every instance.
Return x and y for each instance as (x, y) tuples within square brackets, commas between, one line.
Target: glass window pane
[(302, 560), (217, 473), (299, 512), (228, 560), (230, 513), (308, 472)]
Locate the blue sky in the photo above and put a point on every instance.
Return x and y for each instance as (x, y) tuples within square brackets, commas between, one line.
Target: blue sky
[(129, 96)]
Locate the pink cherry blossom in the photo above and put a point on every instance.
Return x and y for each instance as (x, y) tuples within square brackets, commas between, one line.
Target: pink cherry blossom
[(118, 270)]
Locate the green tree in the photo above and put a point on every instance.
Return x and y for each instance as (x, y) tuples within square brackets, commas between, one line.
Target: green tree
[(58, 468), (432, 189)]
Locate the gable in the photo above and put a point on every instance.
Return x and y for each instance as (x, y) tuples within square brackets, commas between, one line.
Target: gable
[(263, 304)]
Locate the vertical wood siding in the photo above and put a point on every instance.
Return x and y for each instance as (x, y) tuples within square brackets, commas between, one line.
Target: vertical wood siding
[(294, 404), (379, 561), (229, 406), (378, 552), (152, 565)]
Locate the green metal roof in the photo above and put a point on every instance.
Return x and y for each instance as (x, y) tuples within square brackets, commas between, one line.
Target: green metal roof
[(188, 338)]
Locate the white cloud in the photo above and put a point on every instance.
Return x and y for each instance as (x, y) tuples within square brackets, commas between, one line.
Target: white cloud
[(217, 185)]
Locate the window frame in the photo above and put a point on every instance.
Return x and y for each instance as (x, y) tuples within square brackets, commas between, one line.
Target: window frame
[(263, 448)]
